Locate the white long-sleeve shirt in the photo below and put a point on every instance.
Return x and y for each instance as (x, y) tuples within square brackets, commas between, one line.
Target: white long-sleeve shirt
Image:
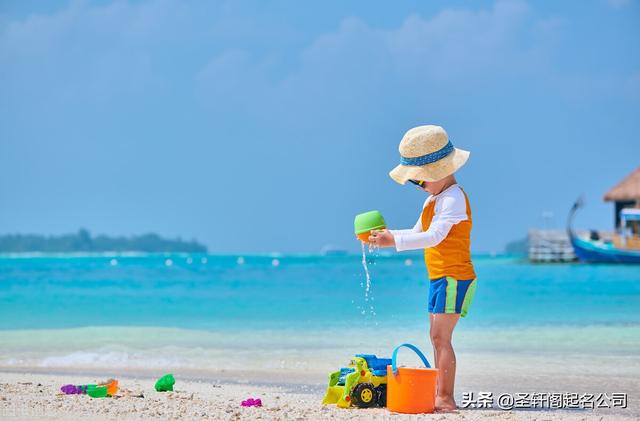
[(450, 208)]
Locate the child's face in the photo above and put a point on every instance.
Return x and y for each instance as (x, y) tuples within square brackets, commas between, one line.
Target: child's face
[(434, 187), (431, 187)]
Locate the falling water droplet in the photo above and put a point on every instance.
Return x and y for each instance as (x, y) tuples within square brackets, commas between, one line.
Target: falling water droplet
[(367, 290)]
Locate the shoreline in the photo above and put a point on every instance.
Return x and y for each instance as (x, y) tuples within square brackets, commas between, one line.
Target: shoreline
[(28, 395)]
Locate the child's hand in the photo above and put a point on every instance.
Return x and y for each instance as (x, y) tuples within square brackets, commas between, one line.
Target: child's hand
[(382, 238)]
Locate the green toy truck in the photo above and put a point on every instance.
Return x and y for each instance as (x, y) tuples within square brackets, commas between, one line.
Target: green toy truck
[(362, 383)]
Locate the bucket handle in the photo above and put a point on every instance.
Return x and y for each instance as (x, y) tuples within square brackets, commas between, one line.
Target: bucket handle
[(414, 349)]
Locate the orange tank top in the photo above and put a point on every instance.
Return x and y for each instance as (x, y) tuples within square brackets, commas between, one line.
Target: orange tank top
[(452, 256)]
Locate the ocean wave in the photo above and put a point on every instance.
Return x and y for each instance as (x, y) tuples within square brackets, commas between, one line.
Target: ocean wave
[(287, 349)]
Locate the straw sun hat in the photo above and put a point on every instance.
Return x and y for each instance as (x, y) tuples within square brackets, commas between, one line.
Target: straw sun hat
[(427, 154)]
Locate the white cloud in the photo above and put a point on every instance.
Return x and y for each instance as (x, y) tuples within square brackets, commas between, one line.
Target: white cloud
[(356, 65), (84, 52)]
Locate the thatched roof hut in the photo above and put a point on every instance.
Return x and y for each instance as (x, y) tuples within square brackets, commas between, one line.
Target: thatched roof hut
[(627, 190), (625, 194)]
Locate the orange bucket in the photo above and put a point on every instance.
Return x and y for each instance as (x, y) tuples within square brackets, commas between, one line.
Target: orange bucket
[(364, 236), (411, 390)]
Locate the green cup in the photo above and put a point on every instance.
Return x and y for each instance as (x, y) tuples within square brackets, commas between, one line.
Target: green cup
[(366, 222)]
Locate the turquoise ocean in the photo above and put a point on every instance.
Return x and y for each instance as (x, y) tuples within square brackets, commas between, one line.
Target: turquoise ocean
[(304, 314)]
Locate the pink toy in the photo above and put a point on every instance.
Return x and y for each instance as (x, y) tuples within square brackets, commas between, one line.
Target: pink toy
[(252, 402)]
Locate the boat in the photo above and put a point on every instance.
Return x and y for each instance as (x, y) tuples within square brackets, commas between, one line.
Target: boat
[(622, 247)]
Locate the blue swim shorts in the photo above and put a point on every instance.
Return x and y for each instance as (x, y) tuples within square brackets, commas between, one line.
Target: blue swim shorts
[(450, 296)]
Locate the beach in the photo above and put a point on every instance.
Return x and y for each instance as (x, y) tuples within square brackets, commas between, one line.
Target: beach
[(288, 200), (232, 328), (211, 383), (37, 396)]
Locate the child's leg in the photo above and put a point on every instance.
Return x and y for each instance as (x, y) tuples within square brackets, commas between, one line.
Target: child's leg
[(441, 331)]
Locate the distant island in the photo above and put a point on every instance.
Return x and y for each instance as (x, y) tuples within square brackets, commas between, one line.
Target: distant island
[(82, 241), (517, 247)]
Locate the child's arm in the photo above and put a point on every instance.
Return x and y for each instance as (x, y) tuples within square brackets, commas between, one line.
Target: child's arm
[(417, 228), (386, 237), (449, 211)]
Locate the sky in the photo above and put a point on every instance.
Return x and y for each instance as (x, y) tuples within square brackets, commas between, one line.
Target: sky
[(259, 127)]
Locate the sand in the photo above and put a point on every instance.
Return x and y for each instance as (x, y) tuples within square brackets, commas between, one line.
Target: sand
[(37, 396)]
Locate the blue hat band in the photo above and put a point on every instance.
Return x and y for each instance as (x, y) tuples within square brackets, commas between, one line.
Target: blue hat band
[(429, 158)]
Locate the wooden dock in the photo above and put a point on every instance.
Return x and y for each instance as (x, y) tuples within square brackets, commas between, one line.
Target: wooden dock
[(550, 246)]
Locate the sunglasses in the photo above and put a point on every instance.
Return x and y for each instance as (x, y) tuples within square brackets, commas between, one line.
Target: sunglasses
[(418, 183)]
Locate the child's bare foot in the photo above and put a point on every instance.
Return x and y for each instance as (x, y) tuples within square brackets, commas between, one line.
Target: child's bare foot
[(445, 404)]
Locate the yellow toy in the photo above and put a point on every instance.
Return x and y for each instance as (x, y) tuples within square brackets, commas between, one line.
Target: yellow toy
[(362, 383)]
